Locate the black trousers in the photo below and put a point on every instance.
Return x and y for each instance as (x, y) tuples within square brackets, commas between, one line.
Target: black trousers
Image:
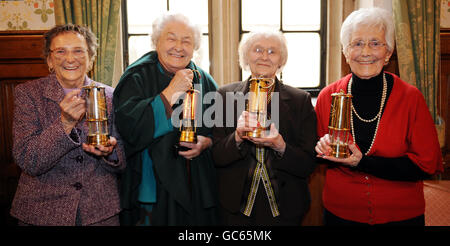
[(332, 220)]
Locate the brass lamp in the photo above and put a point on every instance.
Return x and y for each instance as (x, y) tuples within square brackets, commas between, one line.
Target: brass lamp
[(96, 115), (188, 122), (339, 125), (257, 104)]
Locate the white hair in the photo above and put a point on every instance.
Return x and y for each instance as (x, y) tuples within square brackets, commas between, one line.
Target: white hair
[(168, 17), (370, 17), (248, 41)]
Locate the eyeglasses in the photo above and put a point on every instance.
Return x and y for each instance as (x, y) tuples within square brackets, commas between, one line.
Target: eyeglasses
[(270, 51), (61, 53), (359, 45)]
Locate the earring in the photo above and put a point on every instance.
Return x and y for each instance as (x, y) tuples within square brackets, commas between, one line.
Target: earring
[(386, 61), (51, 69)]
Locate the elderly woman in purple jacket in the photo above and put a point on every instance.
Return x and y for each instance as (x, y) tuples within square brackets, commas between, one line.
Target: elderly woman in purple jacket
[(64, 181)]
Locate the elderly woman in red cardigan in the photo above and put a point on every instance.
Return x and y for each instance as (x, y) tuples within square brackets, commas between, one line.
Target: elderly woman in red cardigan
[(394, 144), (64, 181)]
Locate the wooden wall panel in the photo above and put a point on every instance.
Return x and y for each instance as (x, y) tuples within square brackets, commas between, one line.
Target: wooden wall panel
[(6, 107), (20, 61), (23, 70), (18, 46)]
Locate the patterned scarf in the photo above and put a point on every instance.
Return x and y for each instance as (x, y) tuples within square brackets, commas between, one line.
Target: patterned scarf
[(259, 174)]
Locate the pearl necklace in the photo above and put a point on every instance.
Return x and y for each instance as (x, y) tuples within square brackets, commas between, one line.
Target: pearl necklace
[(378, 116)]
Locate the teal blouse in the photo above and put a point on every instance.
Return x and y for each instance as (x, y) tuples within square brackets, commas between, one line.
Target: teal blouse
[(147, 188)]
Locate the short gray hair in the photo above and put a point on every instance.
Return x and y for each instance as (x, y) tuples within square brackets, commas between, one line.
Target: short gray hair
[(372, 17), (248, 41), (88, 35), (163, 20)]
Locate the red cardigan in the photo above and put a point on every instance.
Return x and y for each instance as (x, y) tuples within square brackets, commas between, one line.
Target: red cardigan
[(406, 128)]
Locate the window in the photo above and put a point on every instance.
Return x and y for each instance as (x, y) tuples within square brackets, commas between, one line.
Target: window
[(303, 24), (139, 15)]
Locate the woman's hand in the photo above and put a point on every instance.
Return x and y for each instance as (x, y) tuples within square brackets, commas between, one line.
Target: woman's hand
[(274, 140), (195, 148), (324, 151), (101, 150), (181, 82), (73, 109), (246, 123), (323, 146)]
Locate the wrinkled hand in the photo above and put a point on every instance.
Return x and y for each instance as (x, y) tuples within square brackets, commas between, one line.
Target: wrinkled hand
[(195, 148), (324, 151), (181, 82), (101, 150), (274, 140), (247, 122), (73, 109)]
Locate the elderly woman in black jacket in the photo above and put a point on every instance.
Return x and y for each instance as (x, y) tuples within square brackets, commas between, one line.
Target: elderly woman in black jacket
[(263, 181)]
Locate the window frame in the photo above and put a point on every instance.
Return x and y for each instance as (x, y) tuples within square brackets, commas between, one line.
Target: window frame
[(126, 35), (314, 91)]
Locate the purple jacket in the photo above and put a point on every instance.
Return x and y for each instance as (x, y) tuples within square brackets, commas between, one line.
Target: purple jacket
[(58, 177)]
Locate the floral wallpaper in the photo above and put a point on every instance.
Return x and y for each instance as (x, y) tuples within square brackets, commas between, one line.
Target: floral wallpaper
[(445, 13), (39, 14), (26, 15)]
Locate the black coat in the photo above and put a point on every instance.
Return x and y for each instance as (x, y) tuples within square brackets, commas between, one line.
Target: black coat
[(291, 171), (176, 204)]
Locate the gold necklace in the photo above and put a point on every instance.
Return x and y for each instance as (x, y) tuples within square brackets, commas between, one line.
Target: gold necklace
[(378, 116)]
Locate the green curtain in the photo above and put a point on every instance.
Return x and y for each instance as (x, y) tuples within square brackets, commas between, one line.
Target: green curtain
[(102, 16), (417, 27)]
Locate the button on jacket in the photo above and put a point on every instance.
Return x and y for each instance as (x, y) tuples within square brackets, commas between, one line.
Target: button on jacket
[(58, 177)]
